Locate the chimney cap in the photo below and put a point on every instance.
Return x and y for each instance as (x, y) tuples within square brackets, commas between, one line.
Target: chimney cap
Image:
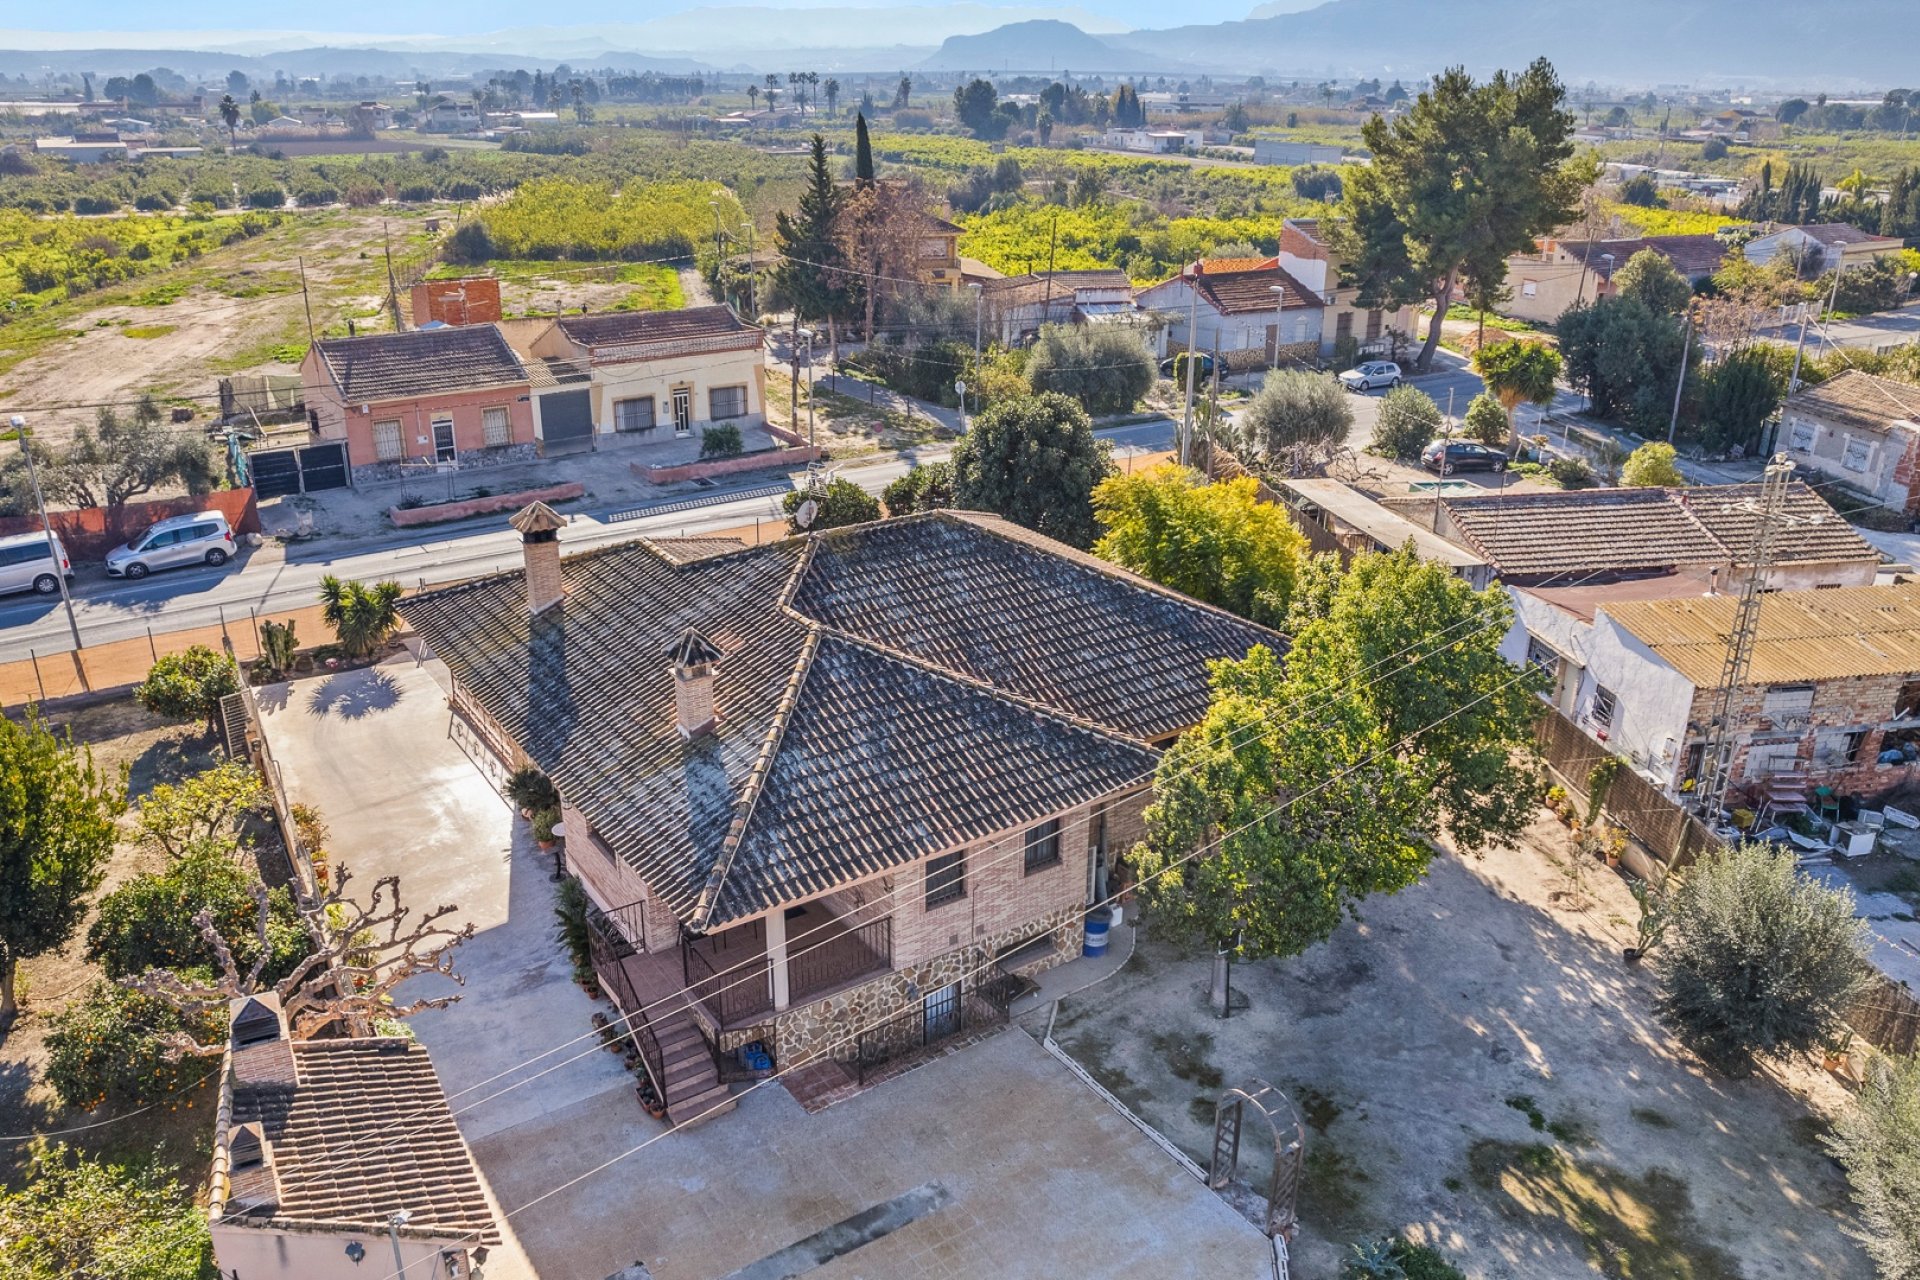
[(255, 1019), (537, 517), (693, 650)]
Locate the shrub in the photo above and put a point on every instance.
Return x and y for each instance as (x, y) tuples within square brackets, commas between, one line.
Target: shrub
[(928, 487), (470, 242), (570, 911), (1485, 422), (1107, 370), (532, 790), (1652, 466), (722, 441), (110, 1046), (1760, 961), (1877, 1140), (1397, 1258), (202, 813), (842, 502), (76, 1217), (1570, 472), (1408, 420), (1294, 412), (148, 922), (189, 685), (267, 197)]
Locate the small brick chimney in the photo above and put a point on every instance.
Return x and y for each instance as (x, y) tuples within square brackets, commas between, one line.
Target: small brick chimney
[(694, 660), (261, 1047), (539, 526)]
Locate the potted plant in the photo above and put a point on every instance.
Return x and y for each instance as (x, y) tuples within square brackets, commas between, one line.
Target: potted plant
[(544, 821), (531, 791), (1834, 1053)]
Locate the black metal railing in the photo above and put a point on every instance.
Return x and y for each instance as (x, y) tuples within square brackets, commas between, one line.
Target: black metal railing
[(730, 990), (607, 949), (813, 968), (605, 929), (969, 1006)]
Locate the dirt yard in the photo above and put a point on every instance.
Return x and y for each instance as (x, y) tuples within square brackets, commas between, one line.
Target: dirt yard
[(121, 735), (1477, 1067)]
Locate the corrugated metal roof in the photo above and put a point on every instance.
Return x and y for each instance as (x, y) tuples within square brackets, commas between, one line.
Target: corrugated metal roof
[(1388, 528), (1804, 635)]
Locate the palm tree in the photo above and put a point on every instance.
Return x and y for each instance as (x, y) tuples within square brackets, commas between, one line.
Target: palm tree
[(753, 96), (230, 113), (362, 617), (813, 86), (832, 89)]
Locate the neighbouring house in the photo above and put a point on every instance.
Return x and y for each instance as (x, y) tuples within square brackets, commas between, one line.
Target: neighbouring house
[(680, 370), (1251, 315), (317, 1144), (1832, 697), (373, 115), (447, 396), (1157, 141), (1283, 151), (1307, 254), (1861, 430), (1339, 518), (827, 793), (451, 117), (1605, 535), (468, 300), (939, 261), (1017, 306), (1823, 246), (81, 151), (1546, 283)]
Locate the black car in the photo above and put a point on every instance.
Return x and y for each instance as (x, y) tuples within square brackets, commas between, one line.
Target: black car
[(1202, 365), (1449, 456)]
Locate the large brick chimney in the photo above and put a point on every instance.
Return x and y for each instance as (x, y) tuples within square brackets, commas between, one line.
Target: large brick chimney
[(694, 660), (261, 1048), (539, 526)]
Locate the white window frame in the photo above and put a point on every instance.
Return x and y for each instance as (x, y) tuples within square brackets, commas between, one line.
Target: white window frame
[(491, 415), (1604, 711), (1803, 437), (1529, 288), (1865, 448), (388, 444)]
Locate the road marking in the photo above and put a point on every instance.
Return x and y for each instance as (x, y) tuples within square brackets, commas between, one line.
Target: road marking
[(671, 505)]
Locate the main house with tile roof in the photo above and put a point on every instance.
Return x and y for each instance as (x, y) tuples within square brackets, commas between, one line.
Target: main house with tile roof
[(317, 1144), (444, 395), (823, 792)]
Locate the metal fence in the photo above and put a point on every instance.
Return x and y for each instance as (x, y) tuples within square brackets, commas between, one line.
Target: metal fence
[(969, 1006)]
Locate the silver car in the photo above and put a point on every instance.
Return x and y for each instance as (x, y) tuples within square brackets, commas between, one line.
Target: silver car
[(1373, 373), (203, 538), (28, 564)]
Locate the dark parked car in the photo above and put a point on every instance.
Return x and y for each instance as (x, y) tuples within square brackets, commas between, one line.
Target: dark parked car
[(1202, 365), (1449, 456)]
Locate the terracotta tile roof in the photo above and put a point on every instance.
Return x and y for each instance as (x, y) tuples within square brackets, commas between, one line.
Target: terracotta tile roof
[(681, 550), (1844, 233), (365, 1131), (1804, 635), (1228, 266), (399, 366), (1239, 292), (883, 690), (1034, 289), (634, 328), (1692, 256), (1860, 400), (1586, 531)]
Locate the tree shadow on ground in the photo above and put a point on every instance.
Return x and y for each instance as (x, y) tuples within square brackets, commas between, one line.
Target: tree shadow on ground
[(351, 695), (170, 760)]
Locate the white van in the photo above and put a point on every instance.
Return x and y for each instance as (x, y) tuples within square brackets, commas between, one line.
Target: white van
[(202, 538), (26, 564)]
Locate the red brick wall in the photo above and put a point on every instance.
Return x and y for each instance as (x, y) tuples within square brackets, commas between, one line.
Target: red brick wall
[(473, 300), (90, 533), (1000, 895), (1293, 241), (1849, 703)]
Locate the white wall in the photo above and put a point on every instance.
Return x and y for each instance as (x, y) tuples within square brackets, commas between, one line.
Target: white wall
[(1652, 700), (1172, 299), (267, 1253)]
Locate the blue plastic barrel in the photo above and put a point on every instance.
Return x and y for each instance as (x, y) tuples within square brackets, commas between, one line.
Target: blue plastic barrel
[(1096, 944)]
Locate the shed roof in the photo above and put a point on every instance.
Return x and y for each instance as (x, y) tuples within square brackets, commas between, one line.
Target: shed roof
[(1803, 635), (400, 366), (1859, 400), (635, 328)]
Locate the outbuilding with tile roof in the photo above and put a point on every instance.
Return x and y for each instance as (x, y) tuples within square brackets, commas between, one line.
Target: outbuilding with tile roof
[(1860, 435)]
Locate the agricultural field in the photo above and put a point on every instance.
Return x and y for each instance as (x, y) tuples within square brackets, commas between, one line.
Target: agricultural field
[(563, 218), (1147, 246)]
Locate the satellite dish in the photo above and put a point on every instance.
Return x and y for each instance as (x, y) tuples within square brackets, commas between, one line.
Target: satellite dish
[(804, 517)]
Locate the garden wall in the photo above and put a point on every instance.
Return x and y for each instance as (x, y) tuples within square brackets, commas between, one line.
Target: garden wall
[(89, 533), (443, 511), (761, 460)]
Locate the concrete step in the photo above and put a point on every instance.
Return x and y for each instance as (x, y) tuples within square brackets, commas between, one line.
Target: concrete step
[(687, 1111)]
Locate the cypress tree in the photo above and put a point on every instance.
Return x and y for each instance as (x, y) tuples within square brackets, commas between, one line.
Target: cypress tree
[(862, 152)]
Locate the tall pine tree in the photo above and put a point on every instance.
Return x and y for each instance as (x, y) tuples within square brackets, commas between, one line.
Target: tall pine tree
[(862, 151), (813, 270)]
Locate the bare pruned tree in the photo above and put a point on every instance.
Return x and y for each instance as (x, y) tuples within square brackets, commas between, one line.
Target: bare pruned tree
[(361, 953)]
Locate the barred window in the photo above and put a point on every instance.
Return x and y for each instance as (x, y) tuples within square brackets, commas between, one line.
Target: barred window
[(386, 441), (1043, 846), (727, 402), (946, 879), (495, 428), (633, 415)]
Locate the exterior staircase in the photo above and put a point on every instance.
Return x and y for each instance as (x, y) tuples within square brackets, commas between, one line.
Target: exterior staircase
[(690, 1081)]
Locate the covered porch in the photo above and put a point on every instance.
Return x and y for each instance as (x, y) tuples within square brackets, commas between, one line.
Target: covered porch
[(741, 976)]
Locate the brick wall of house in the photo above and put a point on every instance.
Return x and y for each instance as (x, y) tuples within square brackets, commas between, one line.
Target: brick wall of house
[(1839, 706), (1000, 895), (1297, 243)]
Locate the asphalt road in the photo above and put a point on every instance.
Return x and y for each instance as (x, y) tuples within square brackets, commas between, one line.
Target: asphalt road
[(282, 577), (1879, 332)]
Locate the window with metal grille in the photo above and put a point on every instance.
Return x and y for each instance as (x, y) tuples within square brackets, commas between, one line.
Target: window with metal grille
[(1605, 705), (1543, 657), (495, 430), (946, 879), (1343, 327), (1043, 846), (1856, 455), (633, 415), (1373, 324), (386, 441), (1801, 438), (727, 402)]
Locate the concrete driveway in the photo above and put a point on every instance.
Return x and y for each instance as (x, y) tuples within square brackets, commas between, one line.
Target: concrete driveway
[(370, 749)]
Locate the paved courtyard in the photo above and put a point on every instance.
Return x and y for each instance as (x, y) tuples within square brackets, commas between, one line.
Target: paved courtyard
[(993, 1161)]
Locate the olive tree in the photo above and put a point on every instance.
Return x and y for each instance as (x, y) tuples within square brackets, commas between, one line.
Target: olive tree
[(1408, 420), (1877, 1140), (1295, 421)]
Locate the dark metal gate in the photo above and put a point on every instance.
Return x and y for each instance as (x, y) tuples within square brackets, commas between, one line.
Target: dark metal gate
[(276, 472), (566, 421), (312, 469), (323, 467)]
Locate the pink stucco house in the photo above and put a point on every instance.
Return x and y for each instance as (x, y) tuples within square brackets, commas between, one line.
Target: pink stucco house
[(445, 395)]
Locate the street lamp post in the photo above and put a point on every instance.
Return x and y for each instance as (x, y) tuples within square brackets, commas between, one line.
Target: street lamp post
[(19, 425), (1606, 273), (979, 291), (1279, 304), (753, 272), (806, 336), (396, 1220)]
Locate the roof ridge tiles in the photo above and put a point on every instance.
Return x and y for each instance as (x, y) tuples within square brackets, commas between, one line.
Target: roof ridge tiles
[(755, 781)]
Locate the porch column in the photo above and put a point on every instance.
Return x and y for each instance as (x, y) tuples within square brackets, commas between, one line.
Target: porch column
[(777, 954)]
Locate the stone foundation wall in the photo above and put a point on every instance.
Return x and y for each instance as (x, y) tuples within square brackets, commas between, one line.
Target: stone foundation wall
[(465, 460)]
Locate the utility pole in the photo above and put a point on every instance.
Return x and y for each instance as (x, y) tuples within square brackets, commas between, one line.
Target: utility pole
[(1193, 326), (1686, 348), (1717, 753), (793, 352), (19, 425), (305, 301), (393, 288), (1799, 345)]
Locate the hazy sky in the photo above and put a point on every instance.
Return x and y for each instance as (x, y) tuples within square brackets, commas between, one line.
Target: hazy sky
[(100, 17)]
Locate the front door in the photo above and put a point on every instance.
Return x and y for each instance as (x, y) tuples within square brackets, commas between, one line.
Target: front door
[(443, 440), (682, 410), (942, 1010)]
